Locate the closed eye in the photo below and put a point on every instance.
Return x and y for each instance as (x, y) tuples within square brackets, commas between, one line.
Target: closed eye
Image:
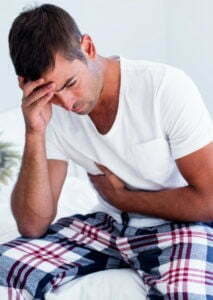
[(71, 84)]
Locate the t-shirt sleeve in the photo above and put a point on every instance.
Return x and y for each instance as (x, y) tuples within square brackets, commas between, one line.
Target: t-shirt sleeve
[(185, 118), (54, 144)]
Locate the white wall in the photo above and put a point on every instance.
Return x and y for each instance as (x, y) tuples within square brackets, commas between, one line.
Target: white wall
[(171, 31), (190, 42)]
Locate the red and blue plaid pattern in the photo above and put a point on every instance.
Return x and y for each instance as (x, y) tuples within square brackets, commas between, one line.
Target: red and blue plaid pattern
[(174, 260)]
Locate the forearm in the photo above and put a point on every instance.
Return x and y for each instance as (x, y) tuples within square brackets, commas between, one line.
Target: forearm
[(32, 201), (180, 204)]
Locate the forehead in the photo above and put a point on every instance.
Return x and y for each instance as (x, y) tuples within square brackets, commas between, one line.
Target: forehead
[(63, 69)]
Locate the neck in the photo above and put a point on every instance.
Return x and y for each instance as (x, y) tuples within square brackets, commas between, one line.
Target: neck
[(111, 86)]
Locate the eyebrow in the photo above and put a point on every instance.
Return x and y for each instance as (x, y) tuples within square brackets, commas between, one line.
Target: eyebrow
[(66, 82)]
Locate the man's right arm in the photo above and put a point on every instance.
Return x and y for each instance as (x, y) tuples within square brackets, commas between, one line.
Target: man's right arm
[(35, 196)]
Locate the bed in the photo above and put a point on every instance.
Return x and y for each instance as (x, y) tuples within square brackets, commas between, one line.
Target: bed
[(108, 284)]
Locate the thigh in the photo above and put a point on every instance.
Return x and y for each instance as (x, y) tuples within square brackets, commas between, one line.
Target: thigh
[(175, 260), (72, 247)]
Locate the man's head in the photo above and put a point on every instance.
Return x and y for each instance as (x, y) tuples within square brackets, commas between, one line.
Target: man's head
[(37, 34), (46, 42)]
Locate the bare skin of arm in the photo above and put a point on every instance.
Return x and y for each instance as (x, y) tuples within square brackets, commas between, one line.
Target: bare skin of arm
[(35, 195), (189, 203)]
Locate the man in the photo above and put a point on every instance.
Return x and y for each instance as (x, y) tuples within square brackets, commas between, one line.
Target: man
[(142, 132)]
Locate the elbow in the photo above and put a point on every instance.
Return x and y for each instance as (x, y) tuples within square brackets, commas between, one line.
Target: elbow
[(207, 209), (31, 227), (32, 231)]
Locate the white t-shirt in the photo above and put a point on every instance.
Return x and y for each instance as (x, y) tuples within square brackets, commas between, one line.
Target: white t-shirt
[(161, 117)]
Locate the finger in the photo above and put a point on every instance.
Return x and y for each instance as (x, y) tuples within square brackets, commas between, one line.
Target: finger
[(31, 85), (41, 102), (39, 94), (45, 99), (116, 181), (21, 81), (96, 177), (92, 177), (106, 171), (42, 91)]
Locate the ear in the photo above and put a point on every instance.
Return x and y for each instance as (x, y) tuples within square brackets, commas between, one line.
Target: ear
[(87, 46)]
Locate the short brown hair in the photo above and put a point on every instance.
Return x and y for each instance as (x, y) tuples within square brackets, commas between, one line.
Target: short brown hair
[(37, 34)]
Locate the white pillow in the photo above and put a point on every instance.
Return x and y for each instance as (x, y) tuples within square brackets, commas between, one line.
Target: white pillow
[(111, 284), (12, 131)]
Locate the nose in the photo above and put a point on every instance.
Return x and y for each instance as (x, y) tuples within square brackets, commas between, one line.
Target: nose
[(66, 99)]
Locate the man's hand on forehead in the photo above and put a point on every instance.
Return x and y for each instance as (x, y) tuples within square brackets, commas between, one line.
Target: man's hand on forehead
[(37, 90), (36, 104), (39, 83)]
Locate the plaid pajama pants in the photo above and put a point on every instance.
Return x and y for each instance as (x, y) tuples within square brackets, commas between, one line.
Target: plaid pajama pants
[(174, 260)]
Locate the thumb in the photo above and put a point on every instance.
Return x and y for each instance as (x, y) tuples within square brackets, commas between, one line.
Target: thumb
[(104, 169), (115, 181)]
